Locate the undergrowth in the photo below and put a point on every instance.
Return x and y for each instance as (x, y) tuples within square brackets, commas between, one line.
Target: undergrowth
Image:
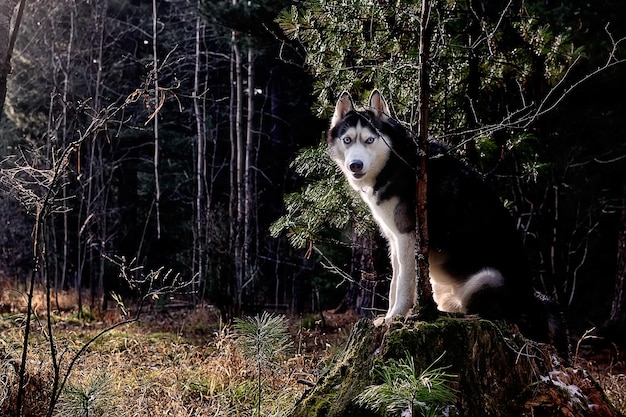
[(177, 363), (161, 366), (405, 390)]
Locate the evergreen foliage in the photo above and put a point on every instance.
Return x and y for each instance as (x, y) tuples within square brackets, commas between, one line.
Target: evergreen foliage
[(506, 78), (326, 200), (354, 46), (406, 391), (93, 397), (264, 340)]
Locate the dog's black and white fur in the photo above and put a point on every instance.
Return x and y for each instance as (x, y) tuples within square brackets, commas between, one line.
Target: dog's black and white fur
[(476, 257)]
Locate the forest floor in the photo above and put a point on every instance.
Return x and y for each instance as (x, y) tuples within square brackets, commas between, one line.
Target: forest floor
[(184, 362)]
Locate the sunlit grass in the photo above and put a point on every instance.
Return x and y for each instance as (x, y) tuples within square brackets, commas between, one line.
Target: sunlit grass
[(174, 363), (182, 365)]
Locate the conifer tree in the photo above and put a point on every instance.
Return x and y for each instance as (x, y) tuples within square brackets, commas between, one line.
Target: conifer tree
[(358, 47)]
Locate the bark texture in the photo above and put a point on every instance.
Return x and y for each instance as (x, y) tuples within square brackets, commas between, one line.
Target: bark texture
[(615, 328), (6, 13), (498, 371)]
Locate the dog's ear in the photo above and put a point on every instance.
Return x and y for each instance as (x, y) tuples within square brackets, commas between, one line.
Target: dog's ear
[(344, 105), (378, 105)]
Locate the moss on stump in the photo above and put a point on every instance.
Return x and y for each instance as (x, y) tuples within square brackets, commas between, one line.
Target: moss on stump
[(498, 371)]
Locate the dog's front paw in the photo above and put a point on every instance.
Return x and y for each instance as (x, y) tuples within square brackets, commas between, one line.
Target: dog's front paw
[(388, 319), (379, 321)]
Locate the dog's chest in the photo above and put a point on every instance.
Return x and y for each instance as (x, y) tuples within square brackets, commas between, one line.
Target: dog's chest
[(383, 211)]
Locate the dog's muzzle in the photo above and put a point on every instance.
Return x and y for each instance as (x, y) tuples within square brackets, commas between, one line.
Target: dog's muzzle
[(356, 167)]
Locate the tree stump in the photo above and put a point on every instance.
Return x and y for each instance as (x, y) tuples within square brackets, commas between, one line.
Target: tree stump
[(497, 371)]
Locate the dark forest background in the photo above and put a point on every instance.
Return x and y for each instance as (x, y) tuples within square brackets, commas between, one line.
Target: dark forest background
[(189, 138)]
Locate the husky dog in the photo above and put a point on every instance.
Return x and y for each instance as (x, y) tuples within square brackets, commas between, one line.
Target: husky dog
[(476, 257)]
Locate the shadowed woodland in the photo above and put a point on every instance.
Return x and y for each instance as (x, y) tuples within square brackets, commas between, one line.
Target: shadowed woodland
[(167, 156)]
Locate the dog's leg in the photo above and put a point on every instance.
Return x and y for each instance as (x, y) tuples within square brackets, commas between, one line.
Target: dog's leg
[(395, 268), (403, 289), (445, 299)]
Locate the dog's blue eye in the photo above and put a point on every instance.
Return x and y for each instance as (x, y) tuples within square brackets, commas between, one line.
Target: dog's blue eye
[(370, 140), (346, 139)]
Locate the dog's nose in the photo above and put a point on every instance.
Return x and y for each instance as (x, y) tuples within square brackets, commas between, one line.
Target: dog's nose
[(356, 166)]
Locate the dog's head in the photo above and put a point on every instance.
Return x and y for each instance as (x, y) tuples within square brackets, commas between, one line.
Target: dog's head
[(357, 139)]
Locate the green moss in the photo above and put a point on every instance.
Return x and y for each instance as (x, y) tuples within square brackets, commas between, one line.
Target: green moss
[(452, 336), (336, 392), (309, 322), (493, 363), (81, 316), (159, 337)]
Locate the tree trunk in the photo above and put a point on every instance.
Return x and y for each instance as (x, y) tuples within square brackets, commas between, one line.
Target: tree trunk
[(239, 188), (6, 43), (473, 33), (615, 328), (157, 101), (424, 295), (248, 196), (365, 291), (97, 176), (236, 166), (199, 236), (65, 140), (496, 372)]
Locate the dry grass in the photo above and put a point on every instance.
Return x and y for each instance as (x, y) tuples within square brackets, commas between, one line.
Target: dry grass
[(607, 365), (162, 374), (177, 363), (614, 386)]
